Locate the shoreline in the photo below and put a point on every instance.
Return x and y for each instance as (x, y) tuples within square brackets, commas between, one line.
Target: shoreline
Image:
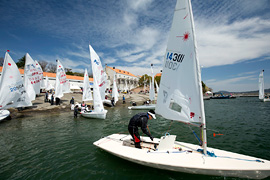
[(39, 106)]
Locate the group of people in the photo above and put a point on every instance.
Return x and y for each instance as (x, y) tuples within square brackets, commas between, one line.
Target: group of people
[(84, 107), (50, 98)]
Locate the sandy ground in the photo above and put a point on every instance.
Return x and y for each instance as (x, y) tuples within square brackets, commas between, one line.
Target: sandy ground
[(39, 106)]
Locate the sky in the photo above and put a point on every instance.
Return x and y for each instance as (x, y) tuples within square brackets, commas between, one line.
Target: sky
[(233, 36)]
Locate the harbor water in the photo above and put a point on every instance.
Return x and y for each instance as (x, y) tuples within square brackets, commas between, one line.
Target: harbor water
[(57, 146)]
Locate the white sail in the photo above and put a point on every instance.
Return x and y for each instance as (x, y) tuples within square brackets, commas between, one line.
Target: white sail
[(157, 86), (180, 95), (87, 94), (126, 87), (261, 86), (144, 83), (12, 90), (46, 83), (40, 74), (61, 84), (152, 87), (115, 93), (180, 79), (31, 75), (98, 73)]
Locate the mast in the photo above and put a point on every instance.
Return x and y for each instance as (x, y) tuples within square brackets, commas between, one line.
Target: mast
[(203, 122)]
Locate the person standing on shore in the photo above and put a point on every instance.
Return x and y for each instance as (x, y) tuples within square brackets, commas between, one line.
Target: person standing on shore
[(140, 120), (52, 98), (124, 99), (46, 96), (72, 103)]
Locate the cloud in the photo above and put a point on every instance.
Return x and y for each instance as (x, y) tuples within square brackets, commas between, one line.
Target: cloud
[(224, 44)]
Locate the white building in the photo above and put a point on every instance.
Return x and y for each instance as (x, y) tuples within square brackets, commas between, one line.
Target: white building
[(124, 79)]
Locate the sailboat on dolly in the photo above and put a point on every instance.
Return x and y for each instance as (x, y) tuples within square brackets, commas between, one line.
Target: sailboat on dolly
[(180, 98)]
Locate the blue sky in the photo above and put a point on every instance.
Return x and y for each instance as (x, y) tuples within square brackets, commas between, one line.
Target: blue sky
[(233, 36)]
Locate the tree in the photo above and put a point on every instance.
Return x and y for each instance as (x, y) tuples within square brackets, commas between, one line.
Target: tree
[(144, 78), (51, 68), (1, 61), (43, 65), (21, 62)]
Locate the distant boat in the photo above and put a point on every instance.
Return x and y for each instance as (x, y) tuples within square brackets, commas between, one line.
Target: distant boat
[(12, 89), (221, 96), (261, 89), (99, 112), (180, 99)]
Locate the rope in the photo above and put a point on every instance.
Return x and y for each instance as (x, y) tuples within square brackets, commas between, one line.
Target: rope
[(199, 140)]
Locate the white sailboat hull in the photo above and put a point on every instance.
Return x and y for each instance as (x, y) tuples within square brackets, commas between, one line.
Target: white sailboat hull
[(95, 115), (4, 114), (186, 160), (143, 107), (107, 102), (265, 100)]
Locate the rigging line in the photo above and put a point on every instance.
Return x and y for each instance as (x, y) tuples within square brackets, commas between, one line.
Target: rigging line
[(170, 126), (199, 140)]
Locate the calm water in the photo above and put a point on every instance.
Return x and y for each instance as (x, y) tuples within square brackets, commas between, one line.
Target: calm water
[(56, 146)]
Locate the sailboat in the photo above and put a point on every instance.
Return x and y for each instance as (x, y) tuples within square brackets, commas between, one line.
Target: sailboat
[(12, 89), (261, 89), (99, 112), (31, 77), (151, 96), (183, 103), (87, 94), (115, 93), (40, 73), (61, 83)]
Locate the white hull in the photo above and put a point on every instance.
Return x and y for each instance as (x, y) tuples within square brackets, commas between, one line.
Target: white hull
[(4, 114), (107, 102), (266, 100), (186, 160), (143, 107), (95, 115)]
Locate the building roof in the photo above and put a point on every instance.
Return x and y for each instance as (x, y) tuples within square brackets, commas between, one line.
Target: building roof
[(158, 74), (53, 75), (122, 71)]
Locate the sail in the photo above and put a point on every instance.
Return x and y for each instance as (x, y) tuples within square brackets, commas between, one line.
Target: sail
[(157, 86), (261, 86), (180, 93), (126, 88), (98, 104), (31, 77), (61, 85), (87, 94), (40, 74), (98, 73), (152, 89), (12, 90), (115, 93)]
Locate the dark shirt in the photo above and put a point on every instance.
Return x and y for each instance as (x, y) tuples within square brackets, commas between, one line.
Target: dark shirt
[(140, 120), (72, 101)]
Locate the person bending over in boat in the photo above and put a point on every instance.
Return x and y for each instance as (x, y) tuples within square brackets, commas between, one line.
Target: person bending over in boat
[(140, 120)]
